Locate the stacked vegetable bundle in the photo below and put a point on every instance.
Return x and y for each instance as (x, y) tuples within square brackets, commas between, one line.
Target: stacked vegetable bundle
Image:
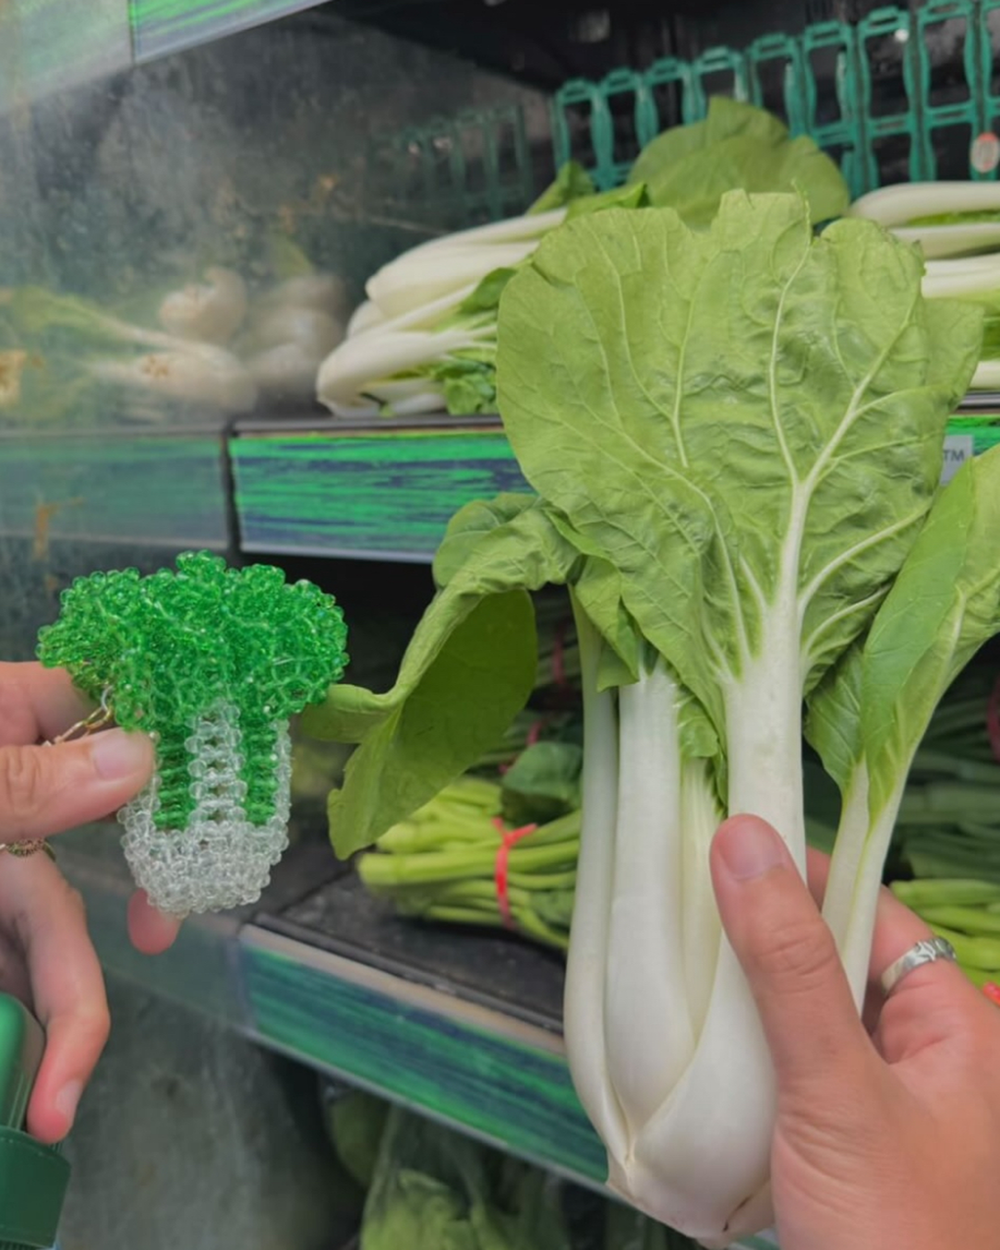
[(949, 820), (498, 847), (457, 860), (967, 913), (425, 340), (427, 1187), (208, 349), (948, 831), (735, 437), (957, 226)]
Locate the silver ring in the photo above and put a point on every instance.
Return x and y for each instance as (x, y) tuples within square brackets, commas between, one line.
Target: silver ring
[(925, 952)]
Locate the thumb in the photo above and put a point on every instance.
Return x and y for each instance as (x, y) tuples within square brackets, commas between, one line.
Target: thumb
[(46, 789), (788, 955)]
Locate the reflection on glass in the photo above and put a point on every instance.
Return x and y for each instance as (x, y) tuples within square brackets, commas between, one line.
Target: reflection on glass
[(182, 242)]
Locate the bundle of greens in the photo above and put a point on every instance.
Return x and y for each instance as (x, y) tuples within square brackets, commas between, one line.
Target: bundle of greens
[(735, 437), (967, 913), (957, 226), (77, 360), (425, 339), (430, 1188), (947, 219), (205, 350), (441, 863), (949, 820)]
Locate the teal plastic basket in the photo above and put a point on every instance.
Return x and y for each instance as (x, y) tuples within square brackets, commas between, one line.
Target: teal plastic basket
[(901, 94), (832, 82), (455, 171)]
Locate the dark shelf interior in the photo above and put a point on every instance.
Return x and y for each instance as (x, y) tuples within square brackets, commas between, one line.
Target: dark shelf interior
[(501, 972), (546, 44)]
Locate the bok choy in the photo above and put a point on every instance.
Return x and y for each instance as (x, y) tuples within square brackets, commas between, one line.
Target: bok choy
[(425, 339), (735, 437)]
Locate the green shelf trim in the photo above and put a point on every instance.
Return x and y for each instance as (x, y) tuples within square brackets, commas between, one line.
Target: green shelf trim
[(381, 1032), (424, 1049), (162, 490), (160, 27), (371, 494), (390, 495)]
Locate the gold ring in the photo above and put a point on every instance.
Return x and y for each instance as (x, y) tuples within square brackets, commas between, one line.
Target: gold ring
[(21, 850)]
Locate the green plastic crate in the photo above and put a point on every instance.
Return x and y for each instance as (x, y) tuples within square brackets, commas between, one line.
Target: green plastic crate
[(873, 94), (848, 122), (460, 170)]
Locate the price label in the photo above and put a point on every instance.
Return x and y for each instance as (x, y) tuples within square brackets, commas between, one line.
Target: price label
[(984, 155), (957, 449)]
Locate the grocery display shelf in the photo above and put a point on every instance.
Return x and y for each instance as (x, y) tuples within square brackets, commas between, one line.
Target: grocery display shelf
[(375, 489), (371, 490), (464, 1027), (461, 1025), (149, 488), (386, 489)]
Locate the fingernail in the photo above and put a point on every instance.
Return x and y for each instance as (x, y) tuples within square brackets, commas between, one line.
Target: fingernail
[(68, 1099), (117, 754), (749, 847)]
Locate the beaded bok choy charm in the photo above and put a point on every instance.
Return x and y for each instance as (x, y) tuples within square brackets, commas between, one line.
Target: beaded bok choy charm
[(212, 662)]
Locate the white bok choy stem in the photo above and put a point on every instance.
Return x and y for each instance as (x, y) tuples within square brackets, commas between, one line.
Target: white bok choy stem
[(647, 1022), (648, 1061), (587, 961), (905, 201), (905, 208), (749, 559)]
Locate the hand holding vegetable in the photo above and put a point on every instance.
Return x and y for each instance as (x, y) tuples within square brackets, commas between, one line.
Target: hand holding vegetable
[(46, 958), (881, 1140)]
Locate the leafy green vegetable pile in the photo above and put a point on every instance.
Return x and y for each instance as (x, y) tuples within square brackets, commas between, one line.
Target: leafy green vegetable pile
[(966, 911), (432, 1189), (441, 864), (200, 352), (949, 820), (735, 438), (426, 341)]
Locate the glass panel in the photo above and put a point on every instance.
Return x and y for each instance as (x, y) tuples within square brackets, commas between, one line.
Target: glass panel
[(181, 242)]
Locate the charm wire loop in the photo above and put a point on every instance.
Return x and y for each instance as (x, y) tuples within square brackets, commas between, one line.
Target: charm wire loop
[(98, 719)]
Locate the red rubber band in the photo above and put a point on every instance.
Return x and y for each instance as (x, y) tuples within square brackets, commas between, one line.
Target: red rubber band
[(993, 721), (992, 992), (509, 839)]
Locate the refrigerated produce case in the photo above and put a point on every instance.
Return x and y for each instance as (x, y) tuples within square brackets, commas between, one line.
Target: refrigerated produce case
[(146, 145)]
